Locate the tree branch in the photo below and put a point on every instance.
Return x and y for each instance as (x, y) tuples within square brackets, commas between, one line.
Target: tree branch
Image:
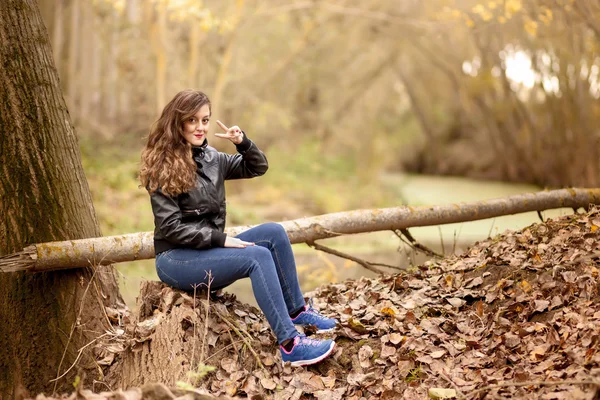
[(138, 246), (416, 245), (368, 265)]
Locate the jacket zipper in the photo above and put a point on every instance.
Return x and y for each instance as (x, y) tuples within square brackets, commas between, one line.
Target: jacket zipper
[(211, 193), (197, 212)]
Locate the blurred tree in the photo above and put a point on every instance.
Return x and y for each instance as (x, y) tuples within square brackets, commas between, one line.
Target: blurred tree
[(58, 32), (524, 73), (495, 89), (73, 65)]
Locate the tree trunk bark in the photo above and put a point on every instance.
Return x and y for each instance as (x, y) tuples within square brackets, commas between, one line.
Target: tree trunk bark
[(44, 196), (139, 246)]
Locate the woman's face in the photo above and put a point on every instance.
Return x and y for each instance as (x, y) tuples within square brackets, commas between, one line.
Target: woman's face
[(195, 128)]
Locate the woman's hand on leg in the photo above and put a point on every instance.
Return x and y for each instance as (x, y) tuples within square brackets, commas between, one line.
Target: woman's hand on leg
[(236, 243)]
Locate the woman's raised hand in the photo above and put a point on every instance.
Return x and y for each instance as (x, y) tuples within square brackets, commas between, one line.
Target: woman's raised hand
[(234, 133), (235, 242)]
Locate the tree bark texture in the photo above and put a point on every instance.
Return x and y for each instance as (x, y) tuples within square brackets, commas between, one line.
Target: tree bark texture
[(44, 196), (138, 246), (173, 335)]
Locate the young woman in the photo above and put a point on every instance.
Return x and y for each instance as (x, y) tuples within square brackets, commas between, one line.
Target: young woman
[(185, 178)]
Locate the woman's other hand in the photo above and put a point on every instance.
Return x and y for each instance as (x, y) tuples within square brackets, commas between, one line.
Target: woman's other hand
[(234, 133), (237, 243)]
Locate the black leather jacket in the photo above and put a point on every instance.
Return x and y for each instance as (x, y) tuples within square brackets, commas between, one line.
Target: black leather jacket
[(196, 219)]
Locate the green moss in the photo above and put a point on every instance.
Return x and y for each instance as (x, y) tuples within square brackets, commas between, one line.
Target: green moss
[(414, 374)]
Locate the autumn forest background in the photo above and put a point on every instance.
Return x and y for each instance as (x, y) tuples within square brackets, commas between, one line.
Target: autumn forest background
[(356, 104)]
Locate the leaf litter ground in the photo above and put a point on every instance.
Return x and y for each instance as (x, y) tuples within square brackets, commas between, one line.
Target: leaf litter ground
[(516, 316)]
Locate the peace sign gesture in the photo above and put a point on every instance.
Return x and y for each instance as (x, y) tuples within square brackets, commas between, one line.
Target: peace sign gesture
[(234, 133)]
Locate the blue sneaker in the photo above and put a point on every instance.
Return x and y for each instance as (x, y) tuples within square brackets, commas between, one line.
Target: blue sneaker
[(307, 351), (310, 316)]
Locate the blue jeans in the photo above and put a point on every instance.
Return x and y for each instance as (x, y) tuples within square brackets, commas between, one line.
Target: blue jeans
[(270, 265)]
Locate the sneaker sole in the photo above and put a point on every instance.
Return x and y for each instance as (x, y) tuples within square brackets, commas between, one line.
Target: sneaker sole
[(314, 360), (325, 330), (319, 331)]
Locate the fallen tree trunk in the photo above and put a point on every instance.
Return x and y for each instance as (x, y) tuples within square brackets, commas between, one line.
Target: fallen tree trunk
[(137, 246)]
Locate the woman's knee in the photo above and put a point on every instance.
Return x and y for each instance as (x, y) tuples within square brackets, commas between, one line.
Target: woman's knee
[(258, 253), (258, 257), (274, 230)]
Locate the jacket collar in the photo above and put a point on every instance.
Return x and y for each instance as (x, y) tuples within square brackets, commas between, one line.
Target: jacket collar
[(199, 150)]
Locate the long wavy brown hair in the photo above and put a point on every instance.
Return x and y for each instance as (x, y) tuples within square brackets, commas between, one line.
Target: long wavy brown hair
[(167, 161)]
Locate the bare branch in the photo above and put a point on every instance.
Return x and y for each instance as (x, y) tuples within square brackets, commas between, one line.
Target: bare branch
[(461, 395), (205, 333), (137, 246), (416, 245), (368, 265), (241, 336)]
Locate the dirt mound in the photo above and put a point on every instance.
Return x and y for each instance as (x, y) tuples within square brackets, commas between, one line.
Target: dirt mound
[(517, 316)]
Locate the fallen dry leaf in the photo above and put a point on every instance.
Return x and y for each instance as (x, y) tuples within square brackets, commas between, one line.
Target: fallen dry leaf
[(439, 393), (268, 384), (364, 356)]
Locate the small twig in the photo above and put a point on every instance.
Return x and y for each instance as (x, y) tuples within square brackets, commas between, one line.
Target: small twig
[(58, 375), (94, 266), (534, 383), (415, 244), (539, 213), (102, 307), (241, 330), (205, 333), (192, 363), (460, 394), (376, 264), (491, 228), (413, 252), (454, 243), (100, 382), (479, 318), (359, 261), (442, 239), (456, 236), (246, 341), (232, 344), (332, 233), (79, 353)]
